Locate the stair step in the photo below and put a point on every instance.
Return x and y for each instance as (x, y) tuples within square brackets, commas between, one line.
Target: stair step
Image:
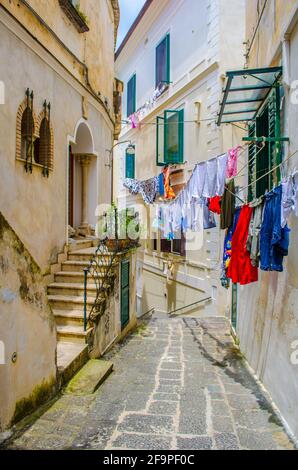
[(78, 276), (72, 333), (90, 377), (71, 289), (69, 317), (80, 244), (69, 302), (70, 358), (75, 265)]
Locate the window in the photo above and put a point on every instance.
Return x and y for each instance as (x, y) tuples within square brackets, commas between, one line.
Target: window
[(27, 134), (170, 137), (176, 246), (131, 96), (267, 124), (162, 62), (129, 165)]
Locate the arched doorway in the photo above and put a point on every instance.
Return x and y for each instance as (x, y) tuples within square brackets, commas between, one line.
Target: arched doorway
[(82, 180)]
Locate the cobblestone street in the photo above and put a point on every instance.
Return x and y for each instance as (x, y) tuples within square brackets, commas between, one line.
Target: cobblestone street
[(177, 384)]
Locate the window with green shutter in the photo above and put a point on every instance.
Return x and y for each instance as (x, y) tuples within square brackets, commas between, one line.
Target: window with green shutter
[(131, 96), (162, 62), (261, 161), (129, 165), (170, 137)]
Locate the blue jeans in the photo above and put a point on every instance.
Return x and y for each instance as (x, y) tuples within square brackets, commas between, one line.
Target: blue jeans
[(274, 240)]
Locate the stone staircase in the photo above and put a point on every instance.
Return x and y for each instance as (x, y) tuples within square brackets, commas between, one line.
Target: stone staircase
[(66, 296)]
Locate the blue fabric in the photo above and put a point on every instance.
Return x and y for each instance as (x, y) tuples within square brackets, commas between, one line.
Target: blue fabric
[(274, 240), (209, 219), (161, 184)]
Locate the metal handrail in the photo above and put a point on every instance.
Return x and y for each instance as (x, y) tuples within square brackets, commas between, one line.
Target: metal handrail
[(190, 305), (104, 281)]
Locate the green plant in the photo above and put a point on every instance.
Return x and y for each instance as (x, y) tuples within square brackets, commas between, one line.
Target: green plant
[(81, 14)]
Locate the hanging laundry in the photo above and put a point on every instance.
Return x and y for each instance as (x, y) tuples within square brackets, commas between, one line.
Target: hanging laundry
[(135, 122), (214, 204), (240, 269), (209, 219), (148, 188), (227, 251), (289, 202), (169, 192), (222, 162), (197, 181), (161, 184), (228, 206), (232, 162), (197, 216), (274, 239), (253, 240)]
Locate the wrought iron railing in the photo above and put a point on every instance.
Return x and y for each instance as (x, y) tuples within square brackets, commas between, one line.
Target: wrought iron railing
[(100, 271)]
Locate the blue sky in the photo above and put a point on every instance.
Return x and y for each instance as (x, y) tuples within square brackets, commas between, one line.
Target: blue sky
[(129, 10)]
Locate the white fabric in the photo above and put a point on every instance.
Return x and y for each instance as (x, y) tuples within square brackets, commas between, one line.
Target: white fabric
[(197, 216), (287, 201), (211, 178), (197, 181), (222, 161)]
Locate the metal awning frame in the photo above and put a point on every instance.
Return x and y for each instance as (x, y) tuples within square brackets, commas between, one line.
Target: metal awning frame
[(264, 85)]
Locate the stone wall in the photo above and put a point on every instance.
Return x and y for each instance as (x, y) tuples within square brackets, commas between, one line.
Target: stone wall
[(27, 331)]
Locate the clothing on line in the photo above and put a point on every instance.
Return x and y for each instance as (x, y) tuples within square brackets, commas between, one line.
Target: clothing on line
[(168, 190), (228, 206), (240, 268), (214, 204), (253, 240), (148, 188), (232, 162), (274, 239)]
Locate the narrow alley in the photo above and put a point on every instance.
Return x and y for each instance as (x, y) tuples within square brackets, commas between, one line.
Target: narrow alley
[(178, 383)]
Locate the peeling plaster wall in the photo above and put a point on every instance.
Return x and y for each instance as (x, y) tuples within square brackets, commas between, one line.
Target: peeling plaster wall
[(27, 328)]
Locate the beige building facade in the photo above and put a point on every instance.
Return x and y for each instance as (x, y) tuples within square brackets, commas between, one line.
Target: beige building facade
[(57, 128)]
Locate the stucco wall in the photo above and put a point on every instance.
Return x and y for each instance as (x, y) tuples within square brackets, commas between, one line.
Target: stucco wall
[(93, 48), (27, 328), (35, 206), (267, 310)]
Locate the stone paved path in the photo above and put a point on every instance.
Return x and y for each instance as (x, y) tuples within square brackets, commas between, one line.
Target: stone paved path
[(177, 384)]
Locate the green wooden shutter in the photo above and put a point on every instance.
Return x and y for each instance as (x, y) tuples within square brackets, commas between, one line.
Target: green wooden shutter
[(125, 268), (173, 136), (129, 165), (251, 163), (160, 148), (131, 96), (274, 132)]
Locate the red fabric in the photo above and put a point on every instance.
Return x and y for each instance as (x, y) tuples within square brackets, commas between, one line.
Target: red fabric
[(240, 268), (214, 204)]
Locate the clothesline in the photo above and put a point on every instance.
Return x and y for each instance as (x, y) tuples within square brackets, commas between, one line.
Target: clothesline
[(250, 160)]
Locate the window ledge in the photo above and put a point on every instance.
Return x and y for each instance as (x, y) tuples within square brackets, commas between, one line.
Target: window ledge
[(73, 15), (22, 160)]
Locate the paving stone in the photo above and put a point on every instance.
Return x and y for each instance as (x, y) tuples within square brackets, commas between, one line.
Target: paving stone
[(194, 443), (141, 442), (192, 424), (147, 424), (163, 408), (226, 441), (222, 424), (166, 396)]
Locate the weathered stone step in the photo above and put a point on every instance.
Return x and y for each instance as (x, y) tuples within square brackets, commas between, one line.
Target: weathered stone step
[(69, 317), (70, 358), (72, 289), (74, 333), (90, 377), (69, 302), (79, 245), (78, 277), (75, 265)]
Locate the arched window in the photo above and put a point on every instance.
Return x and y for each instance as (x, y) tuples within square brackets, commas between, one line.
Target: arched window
[(27, 132), (45, 143)]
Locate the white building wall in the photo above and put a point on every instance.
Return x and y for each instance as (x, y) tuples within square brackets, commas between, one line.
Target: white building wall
[(197, 58)]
